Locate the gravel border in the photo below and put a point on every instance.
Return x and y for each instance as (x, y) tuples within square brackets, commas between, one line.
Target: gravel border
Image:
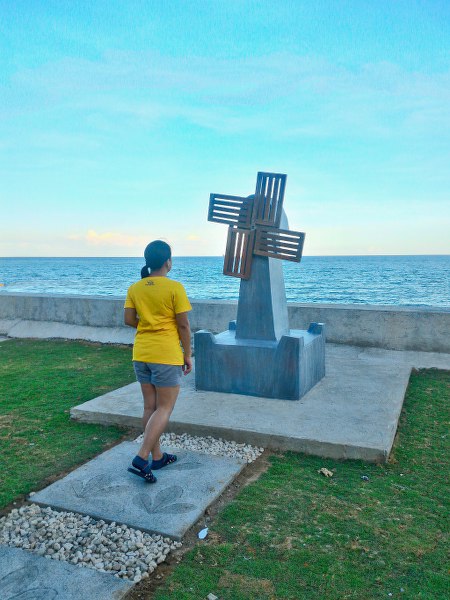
[(210, 445), (81, 540)]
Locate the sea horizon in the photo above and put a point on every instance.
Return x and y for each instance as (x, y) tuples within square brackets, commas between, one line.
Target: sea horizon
[(221, 256), (401, 280)]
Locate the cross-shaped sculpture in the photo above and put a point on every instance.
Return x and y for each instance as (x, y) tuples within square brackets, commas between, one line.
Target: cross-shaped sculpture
[(254, 226)]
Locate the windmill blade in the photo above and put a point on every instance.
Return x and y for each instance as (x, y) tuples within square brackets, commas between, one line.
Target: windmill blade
[(279, 243), (269, 196), (231, 210), (239, 252)]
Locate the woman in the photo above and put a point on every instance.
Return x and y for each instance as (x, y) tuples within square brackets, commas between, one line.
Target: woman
[(158, 308)]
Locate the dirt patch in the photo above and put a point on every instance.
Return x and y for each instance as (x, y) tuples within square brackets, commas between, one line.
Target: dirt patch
[(7, 423), (145, 589), (250, 584)]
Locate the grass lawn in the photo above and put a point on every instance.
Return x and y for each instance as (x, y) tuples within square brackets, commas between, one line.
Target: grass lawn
[(39, 382), (296, 534)]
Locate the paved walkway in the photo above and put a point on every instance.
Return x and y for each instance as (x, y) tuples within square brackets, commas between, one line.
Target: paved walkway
[(352, 413), (103, 489), (30, 577)]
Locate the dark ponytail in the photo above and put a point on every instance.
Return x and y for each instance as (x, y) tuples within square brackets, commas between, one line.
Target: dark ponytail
[(156, 254)]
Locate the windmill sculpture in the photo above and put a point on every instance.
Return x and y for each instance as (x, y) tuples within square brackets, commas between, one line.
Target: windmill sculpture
[(259, 355), (254, 226)]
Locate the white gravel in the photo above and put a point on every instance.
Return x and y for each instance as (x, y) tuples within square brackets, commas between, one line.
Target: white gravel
[(108, 547), (210, 445)]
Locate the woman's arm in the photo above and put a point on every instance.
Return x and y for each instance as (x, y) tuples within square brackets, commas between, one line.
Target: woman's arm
[(184, 331), (130, 317)]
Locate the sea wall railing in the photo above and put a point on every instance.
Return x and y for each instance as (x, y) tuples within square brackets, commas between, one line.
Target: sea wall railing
[(98, 318)]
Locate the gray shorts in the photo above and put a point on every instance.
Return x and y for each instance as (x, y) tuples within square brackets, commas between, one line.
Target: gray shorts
[(158, 375)]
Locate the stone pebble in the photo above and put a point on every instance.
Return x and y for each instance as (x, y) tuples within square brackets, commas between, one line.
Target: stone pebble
[(81, 540), (210, 445)]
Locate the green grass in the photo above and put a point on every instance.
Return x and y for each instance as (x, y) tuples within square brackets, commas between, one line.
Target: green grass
[(39, 382), (296, 534)]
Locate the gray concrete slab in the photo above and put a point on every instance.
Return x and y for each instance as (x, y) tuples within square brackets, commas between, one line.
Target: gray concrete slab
[(352, 413), (31, 577), (53, 329), (102, 488)]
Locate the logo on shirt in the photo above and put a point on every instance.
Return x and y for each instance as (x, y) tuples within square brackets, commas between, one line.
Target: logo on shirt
[(150, 282)]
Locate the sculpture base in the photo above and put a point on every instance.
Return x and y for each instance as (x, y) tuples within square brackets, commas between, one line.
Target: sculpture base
[(284, 369)]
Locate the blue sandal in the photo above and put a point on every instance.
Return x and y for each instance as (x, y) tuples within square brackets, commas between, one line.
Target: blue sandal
[(143, 469), (167, 459)]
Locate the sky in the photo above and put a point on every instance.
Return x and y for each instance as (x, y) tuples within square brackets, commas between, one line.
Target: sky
[(118, 119)]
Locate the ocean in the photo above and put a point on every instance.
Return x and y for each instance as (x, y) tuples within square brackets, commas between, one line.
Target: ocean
[(396, 280)]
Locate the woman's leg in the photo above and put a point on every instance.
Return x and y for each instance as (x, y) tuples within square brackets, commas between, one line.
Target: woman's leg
[(149, 396), (157, 423)]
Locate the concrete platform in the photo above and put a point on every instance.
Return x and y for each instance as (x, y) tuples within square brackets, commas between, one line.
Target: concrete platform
[(32, 577), (352, 413), (103, 489)]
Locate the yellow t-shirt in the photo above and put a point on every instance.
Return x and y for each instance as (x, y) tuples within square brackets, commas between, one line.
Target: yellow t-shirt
[(157, 300)]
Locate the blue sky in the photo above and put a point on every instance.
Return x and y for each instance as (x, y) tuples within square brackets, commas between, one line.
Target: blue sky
[(118, 119)]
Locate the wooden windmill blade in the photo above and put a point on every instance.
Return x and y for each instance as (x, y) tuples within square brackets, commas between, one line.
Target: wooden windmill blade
[(231, 210), (279, 243), (239, 252), (269, 196)]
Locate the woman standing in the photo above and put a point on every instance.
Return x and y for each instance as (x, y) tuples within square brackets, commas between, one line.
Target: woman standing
[(158, 308)]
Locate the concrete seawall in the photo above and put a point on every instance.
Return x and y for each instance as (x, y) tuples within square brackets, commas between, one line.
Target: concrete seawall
[(98, 318)]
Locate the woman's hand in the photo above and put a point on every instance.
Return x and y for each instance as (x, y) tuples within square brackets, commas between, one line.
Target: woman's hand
[(184, 332), (187, 367), (131, 318)]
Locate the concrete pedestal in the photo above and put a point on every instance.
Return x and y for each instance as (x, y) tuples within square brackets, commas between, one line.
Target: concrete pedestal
[(286, 368)]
